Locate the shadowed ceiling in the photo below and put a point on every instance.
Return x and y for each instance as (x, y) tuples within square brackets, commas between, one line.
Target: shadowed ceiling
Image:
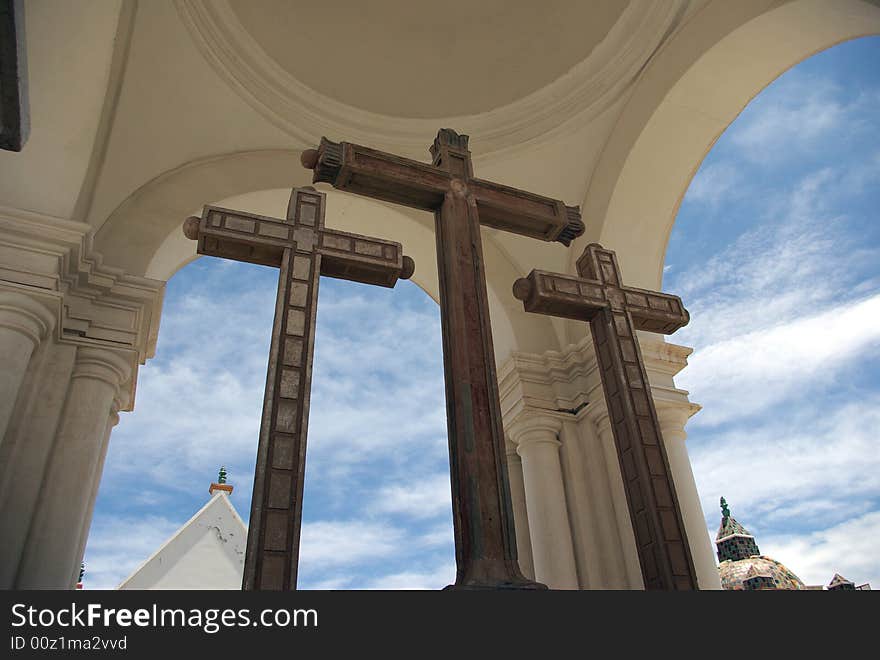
[(397, 57)]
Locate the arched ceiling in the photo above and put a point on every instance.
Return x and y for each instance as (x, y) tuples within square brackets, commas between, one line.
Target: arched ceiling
[(422, 59)]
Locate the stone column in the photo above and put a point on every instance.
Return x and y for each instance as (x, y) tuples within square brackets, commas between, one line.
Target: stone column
[(673, 416), (95, 484), (520, 512), (30, 438), (607, 569), (618, 498), (23, 324), (549, 527), (51, 557)]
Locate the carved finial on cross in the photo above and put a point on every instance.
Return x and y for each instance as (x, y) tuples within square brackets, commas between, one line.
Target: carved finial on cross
[(446, 137)]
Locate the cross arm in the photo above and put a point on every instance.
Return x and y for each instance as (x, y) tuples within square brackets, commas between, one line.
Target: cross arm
[(363, 259), (578, 298), (239, 236), (377, 174), (262, 240), (655, 312), (525, 213), (567, 296)]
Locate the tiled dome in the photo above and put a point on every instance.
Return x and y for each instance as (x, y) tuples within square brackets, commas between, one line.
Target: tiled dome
[(757, 572), (742, 566)]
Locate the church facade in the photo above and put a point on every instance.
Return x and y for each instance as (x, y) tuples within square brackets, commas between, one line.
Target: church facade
[(143, 112)]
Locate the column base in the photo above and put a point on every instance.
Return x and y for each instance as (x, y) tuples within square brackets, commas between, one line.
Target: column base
[(495, 575), (503, 586)]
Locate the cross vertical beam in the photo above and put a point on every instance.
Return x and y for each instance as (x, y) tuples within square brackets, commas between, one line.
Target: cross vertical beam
[(303, 250), (276, 505), (14, 109), (614, 313)]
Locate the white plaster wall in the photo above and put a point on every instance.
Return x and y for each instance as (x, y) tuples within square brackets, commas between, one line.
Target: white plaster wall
[(204, 566), (69, 51), (206, 553)]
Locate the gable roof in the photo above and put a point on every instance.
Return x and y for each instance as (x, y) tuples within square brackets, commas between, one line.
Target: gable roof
[(207, 552)]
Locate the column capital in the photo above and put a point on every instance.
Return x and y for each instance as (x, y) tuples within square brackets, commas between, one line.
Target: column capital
[(674, 414), (101, 364), (598, 414), (534, 428), (25, 315)]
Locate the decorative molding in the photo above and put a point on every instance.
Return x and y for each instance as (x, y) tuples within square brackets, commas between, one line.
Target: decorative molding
[(566, 384), (585, 91), (52, 261)]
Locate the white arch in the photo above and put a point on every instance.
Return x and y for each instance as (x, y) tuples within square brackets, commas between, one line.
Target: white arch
[(144, 233), (695, 87)]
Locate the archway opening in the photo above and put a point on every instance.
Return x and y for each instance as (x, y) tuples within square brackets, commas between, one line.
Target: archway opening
[(776, 253), (377, 510)]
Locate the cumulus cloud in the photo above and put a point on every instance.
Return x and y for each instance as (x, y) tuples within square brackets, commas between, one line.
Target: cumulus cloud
[(849, 548), (815, 464), (377, 422), (713, 183), (339, 543), (755, 371), (777, 311), (425, 498), (797, 114), (779, 272)]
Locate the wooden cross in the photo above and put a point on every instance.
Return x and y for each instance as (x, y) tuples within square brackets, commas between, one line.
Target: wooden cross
[(485, 543), (615, 312), (303, 249)]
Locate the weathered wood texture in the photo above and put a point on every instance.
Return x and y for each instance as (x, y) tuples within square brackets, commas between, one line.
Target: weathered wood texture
[(14, 111), (485, 543), (615, 312), (303, 250)]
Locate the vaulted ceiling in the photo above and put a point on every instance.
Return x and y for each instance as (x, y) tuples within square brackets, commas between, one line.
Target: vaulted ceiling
[(426, 59)]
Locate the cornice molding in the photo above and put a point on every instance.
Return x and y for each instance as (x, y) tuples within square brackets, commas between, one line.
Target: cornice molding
[(566, 384), (52, 260), (585, 91)]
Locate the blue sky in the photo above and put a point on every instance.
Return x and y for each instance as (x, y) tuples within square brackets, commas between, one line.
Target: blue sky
[(776, 253)]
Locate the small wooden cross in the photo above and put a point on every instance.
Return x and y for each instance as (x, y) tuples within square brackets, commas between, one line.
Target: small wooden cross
[(485, 543), (303, 249), (615, 312)]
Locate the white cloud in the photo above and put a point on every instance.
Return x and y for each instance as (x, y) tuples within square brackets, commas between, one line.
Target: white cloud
[(804, 466), (118, 545), (425, 498), (439, 577), (849, 548), (796, 115), (755, 371), (713, 183), (346, 542), (774, 314)]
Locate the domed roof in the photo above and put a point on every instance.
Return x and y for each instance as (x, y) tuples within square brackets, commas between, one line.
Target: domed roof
[(757, 572), (742, 566)]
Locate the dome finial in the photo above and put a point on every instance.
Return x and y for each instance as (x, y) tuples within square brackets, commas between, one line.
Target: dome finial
[(725, 510), (221, 477)]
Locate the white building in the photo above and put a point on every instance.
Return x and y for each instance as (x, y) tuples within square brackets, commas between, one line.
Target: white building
[(205, 553)]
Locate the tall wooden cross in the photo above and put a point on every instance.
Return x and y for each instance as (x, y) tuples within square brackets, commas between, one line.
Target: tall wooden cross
[(615, 312), (485, 543), (303, 249)]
